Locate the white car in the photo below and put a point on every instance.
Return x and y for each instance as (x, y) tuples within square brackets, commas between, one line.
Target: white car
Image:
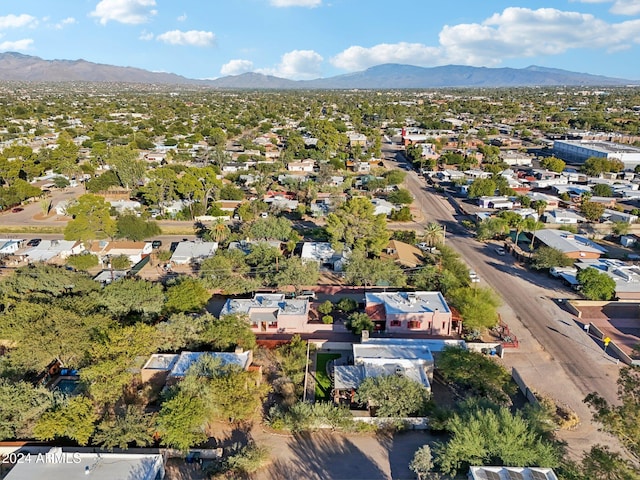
[(501, 251)]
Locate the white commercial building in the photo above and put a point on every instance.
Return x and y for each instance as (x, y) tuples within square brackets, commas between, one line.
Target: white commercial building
[(577, 151)]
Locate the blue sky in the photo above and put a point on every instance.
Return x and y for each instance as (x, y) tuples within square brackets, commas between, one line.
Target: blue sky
[(304, 39)]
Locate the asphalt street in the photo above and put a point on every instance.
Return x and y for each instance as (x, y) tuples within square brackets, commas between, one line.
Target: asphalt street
[(555, 357)]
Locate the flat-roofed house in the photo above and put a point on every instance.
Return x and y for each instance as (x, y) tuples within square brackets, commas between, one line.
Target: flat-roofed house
[(187, 252), (410, 312), (271, 312), (573, 246), (63, 463)]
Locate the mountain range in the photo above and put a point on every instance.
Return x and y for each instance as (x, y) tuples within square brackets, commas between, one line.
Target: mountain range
[(20, 67)]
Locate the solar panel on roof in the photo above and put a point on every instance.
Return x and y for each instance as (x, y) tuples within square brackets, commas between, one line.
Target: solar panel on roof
[(538, 475)]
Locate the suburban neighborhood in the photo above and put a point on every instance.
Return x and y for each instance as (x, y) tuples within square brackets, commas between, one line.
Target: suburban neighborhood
[(358, 284)]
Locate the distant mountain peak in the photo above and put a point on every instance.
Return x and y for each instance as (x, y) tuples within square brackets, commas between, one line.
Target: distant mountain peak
[(16, 66)]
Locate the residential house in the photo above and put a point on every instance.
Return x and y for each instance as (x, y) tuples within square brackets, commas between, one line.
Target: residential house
[(134, 251), (608, 202), (616, 216), (9, 246), (245, 245), (382, 206), (628, 240), (625, 276), (573, 246), (105, 277), (126, 206), (301, 166), (511, 473), (410, 312), (271, 312), (513, 158), (562, 217), (403, 254), (188, 252), (172, 209), (324, 255), (358, 166), (50, 250), (551, 201), (170, 367), (358, 139), (373, 359), (233, 167), (65, 463), (497, 202)]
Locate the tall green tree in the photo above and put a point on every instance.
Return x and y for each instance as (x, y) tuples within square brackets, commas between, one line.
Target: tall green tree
[(128, 425), (355, 225), (91, 219), (186, 294), (596, 285), (489, 437), (74, 420), (621, 420), (129, 169), (478, 307), (547, 257), (361, 270), (21, 405), (294, 272), (228, 332), (482, 187)]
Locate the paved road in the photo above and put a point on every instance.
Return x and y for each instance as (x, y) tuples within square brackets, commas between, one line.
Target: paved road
[(556, 356)]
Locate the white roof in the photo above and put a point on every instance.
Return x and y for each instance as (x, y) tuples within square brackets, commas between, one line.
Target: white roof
[(63, 465), (408, 302), (320, 251), (47, 249), (567, 242), (260, 302), (187, 251)]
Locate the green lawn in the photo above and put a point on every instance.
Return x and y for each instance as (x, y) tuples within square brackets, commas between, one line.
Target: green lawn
[(323, 382)]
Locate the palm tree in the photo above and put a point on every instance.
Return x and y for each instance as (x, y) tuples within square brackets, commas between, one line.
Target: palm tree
[(433, 234), (219, 231)]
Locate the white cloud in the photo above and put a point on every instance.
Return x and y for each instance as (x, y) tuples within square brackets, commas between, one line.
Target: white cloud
[(17, 21), (146, 36), (182, 17), (16, 45), (619, 7), (236, 67), (64, 23), (297, 65), (296, 3), (360, 58), (125, 11), (514, 33), (194, 38)]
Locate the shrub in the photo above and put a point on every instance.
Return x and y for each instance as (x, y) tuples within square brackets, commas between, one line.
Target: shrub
[(303, 416), (328, 319), (326, 307), (84, 261), (249, 459), (347, 305)]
